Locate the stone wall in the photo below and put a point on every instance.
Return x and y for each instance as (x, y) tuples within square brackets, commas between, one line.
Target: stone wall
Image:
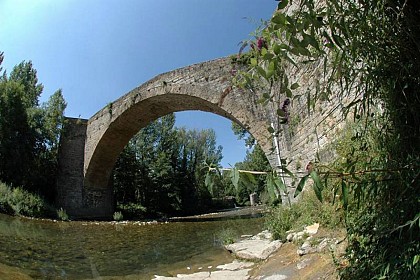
[(70, 165), (310, 130), (79, 202)]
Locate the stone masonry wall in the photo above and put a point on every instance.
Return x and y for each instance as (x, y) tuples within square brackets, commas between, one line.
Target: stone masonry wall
[(310, 128), (70, 165)]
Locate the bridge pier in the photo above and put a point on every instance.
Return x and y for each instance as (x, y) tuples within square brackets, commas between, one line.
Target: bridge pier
[(78, 200)]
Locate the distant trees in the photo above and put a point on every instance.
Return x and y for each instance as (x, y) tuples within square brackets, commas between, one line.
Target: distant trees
[(161, 170), (255, 160), (29, 131)]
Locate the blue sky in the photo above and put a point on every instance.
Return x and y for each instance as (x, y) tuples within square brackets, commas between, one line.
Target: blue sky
[(98, 50)]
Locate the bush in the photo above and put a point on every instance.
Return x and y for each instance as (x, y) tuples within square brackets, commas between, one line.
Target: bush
[(62, 215), (306, 211), (132, 210), (4, 197), (118, 216), (20, 202)]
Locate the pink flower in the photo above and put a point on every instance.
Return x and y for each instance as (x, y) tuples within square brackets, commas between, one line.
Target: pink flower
[(261, 43)]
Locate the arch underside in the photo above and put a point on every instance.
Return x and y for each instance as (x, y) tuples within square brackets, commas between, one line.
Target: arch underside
[(130, 121)]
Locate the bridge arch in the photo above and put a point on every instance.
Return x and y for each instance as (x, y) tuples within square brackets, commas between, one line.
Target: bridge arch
[(205, 87)]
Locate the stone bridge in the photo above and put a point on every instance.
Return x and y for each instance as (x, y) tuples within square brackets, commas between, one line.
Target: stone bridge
[(89, 148)]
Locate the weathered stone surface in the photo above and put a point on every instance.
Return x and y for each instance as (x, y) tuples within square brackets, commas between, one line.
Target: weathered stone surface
[(312, 229), (235, 271), (258, 247), (235, 265), (308, 231)]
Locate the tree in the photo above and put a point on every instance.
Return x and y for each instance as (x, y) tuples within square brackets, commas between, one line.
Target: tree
[(29, 133), (16, 136), (255, 160), (162, 168), (242, 133)]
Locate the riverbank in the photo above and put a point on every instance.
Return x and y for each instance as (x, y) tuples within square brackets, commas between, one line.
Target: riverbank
[(308, 254)]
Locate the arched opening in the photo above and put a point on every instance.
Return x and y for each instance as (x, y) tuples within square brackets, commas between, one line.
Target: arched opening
[(163, 170)]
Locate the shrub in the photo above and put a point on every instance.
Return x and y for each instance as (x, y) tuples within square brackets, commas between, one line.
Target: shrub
[(132, 210), (18, 201), (62, 215), (118, 216), (306, 211)]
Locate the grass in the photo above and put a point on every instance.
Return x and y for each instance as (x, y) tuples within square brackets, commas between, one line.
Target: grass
[(306, 211)]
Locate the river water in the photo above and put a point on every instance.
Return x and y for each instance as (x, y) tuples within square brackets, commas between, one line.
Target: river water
[(88, 250)]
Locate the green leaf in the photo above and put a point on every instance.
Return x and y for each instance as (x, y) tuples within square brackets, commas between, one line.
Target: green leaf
[(282, 4), (280, 113), (284, 47), (269, 74), (311, 40), (248, 180), (288, 172), (304, 51), (289, 93), (276, 49), (338, 40), (317, 185), (279, 19), (270, 129), (261, 71), (271, 187), (253, 61), (209, 183), (279, 184), (268, 56), (416, 259), (263, 51), (345, 194), (234, 177), (294, 86), (300, 185), (295, 51), (272, 66)]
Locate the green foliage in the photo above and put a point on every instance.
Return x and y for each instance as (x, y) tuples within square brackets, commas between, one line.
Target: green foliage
[(162, 169), (255, 160), (29, 132), (275, 187), (132, 210), (306, 211), (20, 202), (227, 236), (62, 215), (242, 133), (118, 216), (369, 52)]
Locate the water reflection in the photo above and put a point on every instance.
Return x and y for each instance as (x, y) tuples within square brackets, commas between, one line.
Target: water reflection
[(79, 250)]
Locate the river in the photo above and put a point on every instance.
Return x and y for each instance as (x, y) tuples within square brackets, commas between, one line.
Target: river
[(45, 249)]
